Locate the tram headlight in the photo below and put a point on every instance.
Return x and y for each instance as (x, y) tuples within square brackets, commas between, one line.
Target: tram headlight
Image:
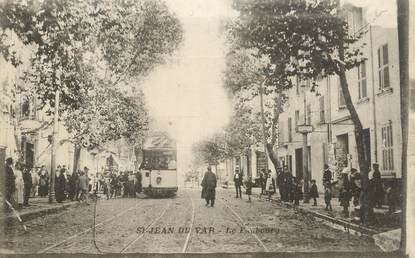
[(158, 180)]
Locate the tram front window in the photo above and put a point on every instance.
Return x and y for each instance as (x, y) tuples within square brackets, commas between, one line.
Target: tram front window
[(159, 162)]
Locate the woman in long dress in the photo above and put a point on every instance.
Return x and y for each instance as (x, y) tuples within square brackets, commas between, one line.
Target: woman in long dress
[(19, 185), (60, 186)]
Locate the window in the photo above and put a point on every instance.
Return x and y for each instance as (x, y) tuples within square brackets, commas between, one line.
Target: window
[(354, 20), (383, 67), (342, 102), (309, 114), (387, 147), (297, 117), (361, 78), (322, 113), (290, 136)]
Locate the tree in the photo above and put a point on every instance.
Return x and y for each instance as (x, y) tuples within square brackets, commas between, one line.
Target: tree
[(242, 131), (210, 151), (313, 38), (249, 75), (93, 52)]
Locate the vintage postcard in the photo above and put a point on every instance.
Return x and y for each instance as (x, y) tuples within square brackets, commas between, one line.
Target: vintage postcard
[(214, 127)]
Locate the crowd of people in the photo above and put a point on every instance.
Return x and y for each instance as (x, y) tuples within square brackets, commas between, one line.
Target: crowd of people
[(24, 182), (347, 187)]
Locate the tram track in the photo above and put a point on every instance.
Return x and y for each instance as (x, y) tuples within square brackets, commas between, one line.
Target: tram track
[(186, 243), (157, 219), (131, 243), (242, 223), (75, 236)]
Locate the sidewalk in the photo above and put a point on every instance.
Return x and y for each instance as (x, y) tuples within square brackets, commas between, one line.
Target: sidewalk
[(38, 207), (383, 220)]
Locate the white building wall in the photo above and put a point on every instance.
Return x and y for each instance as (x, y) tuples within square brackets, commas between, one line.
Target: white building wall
[(384, 107)]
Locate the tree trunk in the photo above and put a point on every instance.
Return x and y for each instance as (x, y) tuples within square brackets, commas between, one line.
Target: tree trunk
[(366, 209), (273, 157), (403, 24), (76, 157)]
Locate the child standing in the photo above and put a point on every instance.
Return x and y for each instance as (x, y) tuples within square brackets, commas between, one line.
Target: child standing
[(327, 196), (270, 187), (314, 192), (248, 187)]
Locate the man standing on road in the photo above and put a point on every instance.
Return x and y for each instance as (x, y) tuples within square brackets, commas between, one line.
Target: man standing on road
[(27, 180), (83, 186), (377, 186), (237, 179), (208, 187), (9, 182)]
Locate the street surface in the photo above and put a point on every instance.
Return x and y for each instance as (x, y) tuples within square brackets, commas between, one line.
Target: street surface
[(180, 224)]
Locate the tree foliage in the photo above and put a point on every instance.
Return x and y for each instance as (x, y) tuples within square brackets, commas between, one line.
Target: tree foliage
[(211, 151), (306, 35), (93, 52), (312, 39)]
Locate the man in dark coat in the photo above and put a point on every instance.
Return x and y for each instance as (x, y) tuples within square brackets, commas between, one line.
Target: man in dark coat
[(208, 187), (314, 192), (73, 185), (27, 179), (327, 176), (287, 181), (377, 186), (262, 181), (60, 186), (237, 179), (9, 182)]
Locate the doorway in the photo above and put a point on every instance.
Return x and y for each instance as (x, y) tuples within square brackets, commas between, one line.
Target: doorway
[(299, 163)]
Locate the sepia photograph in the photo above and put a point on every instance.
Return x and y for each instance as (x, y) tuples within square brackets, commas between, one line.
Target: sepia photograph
[(210, 128)]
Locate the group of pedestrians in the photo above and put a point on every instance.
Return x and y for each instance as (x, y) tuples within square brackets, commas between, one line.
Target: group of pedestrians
[(209, 183), (348, 186), (240, 183), (350, 190), (125, 184), (22, 182), (290, 187)]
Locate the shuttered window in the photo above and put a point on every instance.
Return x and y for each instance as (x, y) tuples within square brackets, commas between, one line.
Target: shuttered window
[(361, 76), (383, 67), (387, 147)]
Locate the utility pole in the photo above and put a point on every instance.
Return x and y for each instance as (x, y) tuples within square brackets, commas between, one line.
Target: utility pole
[(54, 147), (305, 130)]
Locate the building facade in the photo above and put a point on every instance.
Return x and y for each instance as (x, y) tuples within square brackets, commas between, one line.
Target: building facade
[(375, 91)]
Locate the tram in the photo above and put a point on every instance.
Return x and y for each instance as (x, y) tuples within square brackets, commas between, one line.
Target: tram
[(159, 166)]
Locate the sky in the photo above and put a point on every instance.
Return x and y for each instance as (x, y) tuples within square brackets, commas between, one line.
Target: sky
[(186, 97)]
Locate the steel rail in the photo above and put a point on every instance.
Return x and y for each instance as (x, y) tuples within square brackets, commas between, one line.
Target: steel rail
[(244, 225), (186, 243), (86, 231), (126, 247)]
